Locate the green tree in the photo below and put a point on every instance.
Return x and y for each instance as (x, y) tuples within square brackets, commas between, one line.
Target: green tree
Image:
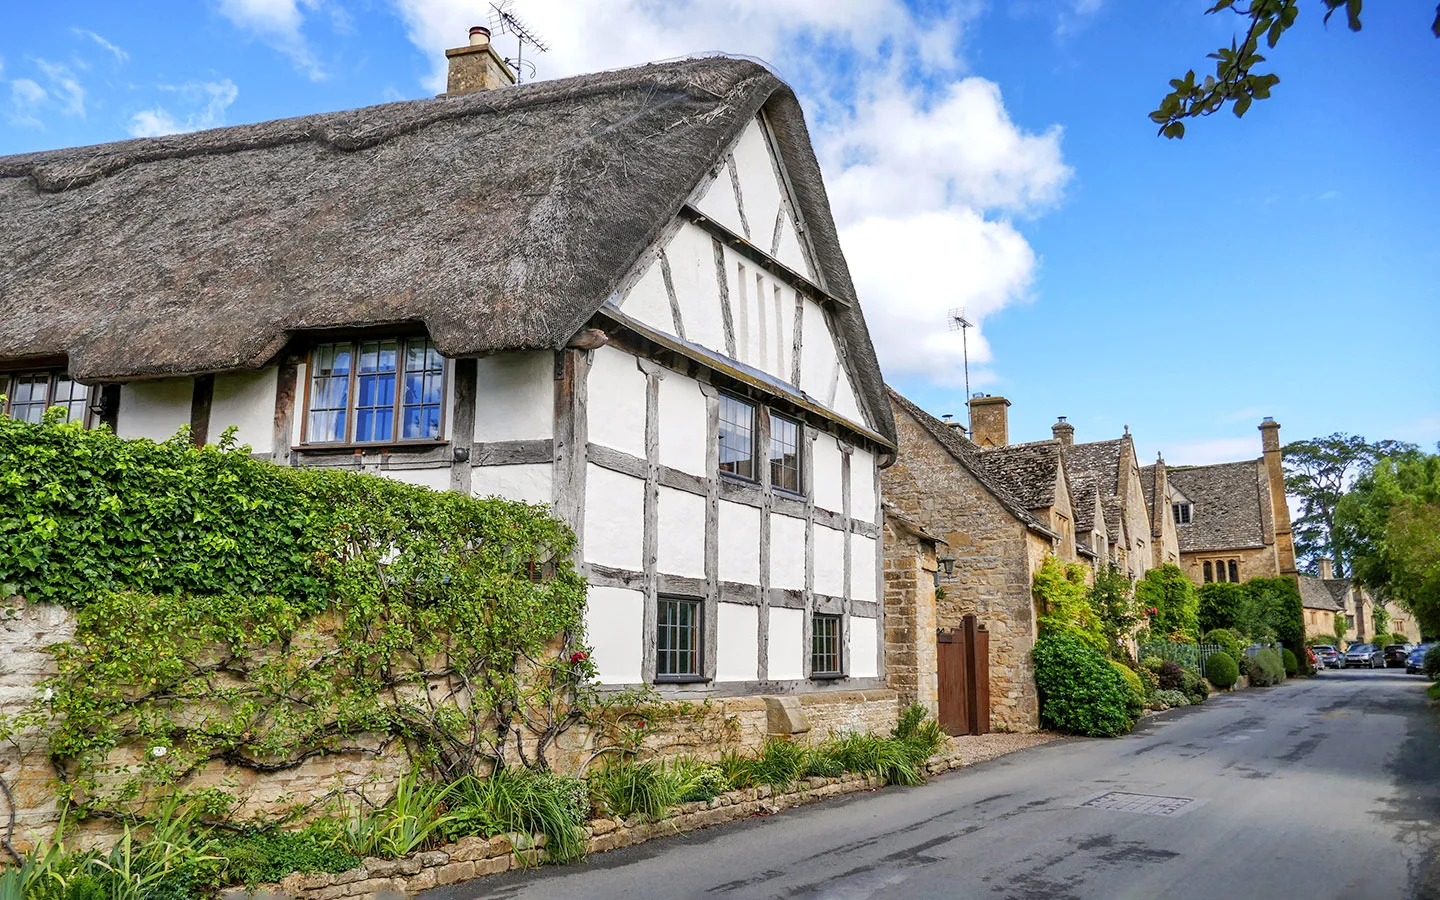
[(1065, 602), (1389, 524), (1220, 606), (1234, 82), (1171, 594), (1317, 473), (1275, 612)]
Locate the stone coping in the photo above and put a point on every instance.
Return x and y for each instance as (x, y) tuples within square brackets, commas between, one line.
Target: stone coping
[(476, 857)]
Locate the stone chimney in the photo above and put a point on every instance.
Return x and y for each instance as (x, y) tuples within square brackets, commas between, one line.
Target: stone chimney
[(1327, 567), (1064, 432), (949, 419), (476, 67), (989, 420), (1280, 508), (1162, 506)]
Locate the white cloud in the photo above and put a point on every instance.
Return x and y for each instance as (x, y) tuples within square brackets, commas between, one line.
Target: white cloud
[(278, 23), (121, 57), (25, 98), (922, 163), (65, 88), (207, 100)]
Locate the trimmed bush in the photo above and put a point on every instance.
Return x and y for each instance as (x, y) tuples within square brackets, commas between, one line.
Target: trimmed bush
[(1194, 688), (1227, 640), (1291, 664), (1221, 669), (1431, 664), (1169, 699), (1172, 676), (1080, 692), (1137, 688), (1266, 668)]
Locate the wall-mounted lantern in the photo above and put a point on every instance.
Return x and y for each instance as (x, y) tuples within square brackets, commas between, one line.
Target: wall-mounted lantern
[(945, 564)]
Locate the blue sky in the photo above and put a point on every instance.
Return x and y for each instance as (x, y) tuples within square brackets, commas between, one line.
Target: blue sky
[(994, 156)]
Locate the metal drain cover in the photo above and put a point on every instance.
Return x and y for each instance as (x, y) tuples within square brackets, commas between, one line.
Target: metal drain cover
[(1144, 804)]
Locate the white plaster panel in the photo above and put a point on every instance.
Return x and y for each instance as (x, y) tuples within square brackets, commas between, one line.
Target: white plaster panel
[(739, 543), (434, 479), (782, 311), (615, 401), (692, 268), (737, 642), (863, 648), (787, 552), (528, 483), (817, 358), (786, 653), (515, 397), (826, 474), (648, 300), (862, 485), (681, 549), (245, 400), (862, 567), (758, 187), (829, 561), (155, 409), (614, 518), (844, 401), (614, 628), (719, 202), (682, 424), (791, 253)]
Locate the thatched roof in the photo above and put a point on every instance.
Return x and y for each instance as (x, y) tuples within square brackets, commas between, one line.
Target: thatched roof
[(500, 220)]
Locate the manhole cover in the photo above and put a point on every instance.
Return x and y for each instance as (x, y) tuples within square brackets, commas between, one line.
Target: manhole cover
[(1144, 804)]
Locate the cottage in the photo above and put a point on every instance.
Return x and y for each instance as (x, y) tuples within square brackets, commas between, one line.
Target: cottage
[(620, 294), (1232, 519)]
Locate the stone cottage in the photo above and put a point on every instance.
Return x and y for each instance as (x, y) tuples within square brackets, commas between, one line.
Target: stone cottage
[(1232, 519), (619, 294)]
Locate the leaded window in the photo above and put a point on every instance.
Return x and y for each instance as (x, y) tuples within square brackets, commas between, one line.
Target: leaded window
[(825, 645), (29, 394), (1182, 513), (375, 392), (785, 454), (677, 638), (737, 438)]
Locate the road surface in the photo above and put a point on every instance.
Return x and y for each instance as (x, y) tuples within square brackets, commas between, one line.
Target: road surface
[(1318, 788)]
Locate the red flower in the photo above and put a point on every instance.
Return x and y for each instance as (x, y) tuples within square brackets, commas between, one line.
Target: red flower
[(578, 656), (1151, 611)]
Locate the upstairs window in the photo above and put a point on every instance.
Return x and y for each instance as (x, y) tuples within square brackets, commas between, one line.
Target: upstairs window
[(29, 394), (737, 438), (785, 454), (1221, 570), (1182, 513), (375, 392)]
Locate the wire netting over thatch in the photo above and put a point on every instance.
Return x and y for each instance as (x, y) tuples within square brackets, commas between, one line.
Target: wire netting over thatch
[(500, 220)]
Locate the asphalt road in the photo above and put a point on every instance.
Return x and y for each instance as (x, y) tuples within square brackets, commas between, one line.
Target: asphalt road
[(1327, 787)]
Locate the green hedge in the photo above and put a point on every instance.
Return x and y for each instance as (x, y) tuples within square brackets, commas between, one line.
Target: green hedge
[(1080, 691)]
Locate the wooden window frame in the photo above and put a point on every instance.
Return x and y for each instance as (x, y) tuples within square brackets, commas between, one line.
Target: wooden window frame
[(51, 375), (351, 408), (799, 489), (839, 650), (697, 650), (1182, 511), (755, 460)]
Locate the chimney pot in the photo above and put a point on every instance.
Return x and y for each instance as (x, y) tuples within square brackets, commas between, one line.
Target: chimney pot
[(479, 36), (1064, 432)]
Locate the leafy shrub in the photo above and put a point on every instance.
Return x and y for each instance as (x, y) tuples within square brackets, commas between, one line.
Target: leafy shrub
[(1064, 601), (1226, 640), (1172, 676), (1288, 660), (1433, 691), (1150, 680), (1222, 670), (255, 856), (626, 789), (1220, 605), (1266, 668), (1152, 663), (1430, 665), (1194, 688), (1274, 611), (1137, 688), (1169, 699), (1080, 692), (1112, 597), (1171, 593)]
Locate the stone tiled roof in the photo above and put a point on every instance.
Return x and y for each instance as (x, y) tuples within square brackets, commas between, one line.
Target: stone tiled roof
[(1082, 492), (1113, 509), (1316, 594), (1099, 460), (1339, 589), (1030, 471), (968, 455), (1228, 507)]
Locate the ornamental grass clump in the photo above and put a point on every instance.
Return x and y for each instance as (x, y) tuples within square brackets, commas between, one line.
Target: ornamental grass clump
[(519, 800), (624, 788), (1080, 692)]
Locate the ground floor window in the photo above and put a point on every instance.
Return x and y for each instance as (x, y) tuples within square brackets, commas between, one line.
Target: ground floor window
[(381, 391), (677, 639), (29, 394), (1222, 570), (825, 645)]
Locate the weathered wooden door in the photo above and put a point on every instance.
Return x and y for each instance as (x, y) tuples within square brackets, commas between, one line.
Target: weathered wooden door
[(963, 660)]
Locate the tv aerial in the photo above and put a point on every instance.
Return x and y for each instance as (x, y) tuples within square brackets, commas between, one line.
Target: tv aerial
[(959, 323), (503, 18)]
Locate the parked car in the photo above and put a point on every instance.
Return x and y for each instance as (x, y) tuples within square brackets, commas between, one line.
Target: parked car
[(1364, 656), (1396, 654), (1329, 657), (1415, 662)]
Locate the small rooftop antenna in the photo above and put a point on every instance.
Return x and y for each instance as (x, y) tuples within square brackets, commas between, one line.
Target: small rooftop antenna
[(503, 18), (959, 323)]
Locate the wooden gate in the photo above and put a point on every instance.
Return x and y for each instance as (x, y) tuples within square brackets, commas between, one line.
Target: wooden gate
[(963, 659)]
